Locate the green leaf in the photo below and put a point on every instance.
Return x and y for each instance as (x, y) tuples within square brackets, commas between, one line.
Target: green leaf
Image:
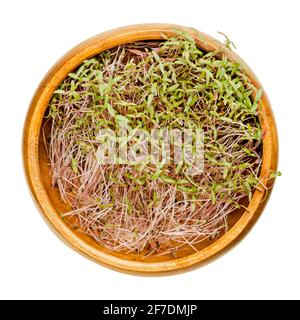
[(59, 91), (182, 181), (178, 167), (275, 174), (149, 104), (248, 152), (187, 189), (226, 119), (155, 175), (258, 95), (225, 173), (168, 179), (102, 88), (110, 110), (128, 175), (173, 87), (121, 118), (73, 75), (74, 165), (109, 107), (155, 55)]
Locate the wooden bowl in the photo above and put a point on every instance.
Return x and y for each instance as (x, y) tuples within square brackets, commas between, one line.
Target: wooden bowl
[(47, 199)]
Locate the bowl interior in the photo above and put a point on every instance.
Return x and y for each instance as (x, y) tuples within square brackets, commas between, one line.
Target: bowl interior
[(62, 207)]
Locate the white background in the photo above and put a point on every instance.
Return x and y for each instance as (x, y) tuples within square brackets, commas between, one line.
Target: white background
[(34, 263)]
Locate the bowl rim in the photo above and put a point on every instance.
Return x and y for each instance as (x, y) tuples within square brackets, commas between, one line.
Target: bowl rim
[(32, 126)]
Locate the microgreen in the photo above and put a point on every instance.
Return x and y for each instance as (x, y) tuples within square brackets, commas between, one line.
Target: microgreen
[(155, 208)]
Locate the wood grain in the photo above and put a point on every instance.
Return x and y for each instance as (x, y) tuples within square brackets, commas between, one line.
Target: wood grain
[(48, 201)]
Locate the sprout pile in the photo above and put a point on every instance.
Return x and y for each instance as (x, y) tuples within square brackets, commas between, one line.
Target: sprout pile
[(155, 208)]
